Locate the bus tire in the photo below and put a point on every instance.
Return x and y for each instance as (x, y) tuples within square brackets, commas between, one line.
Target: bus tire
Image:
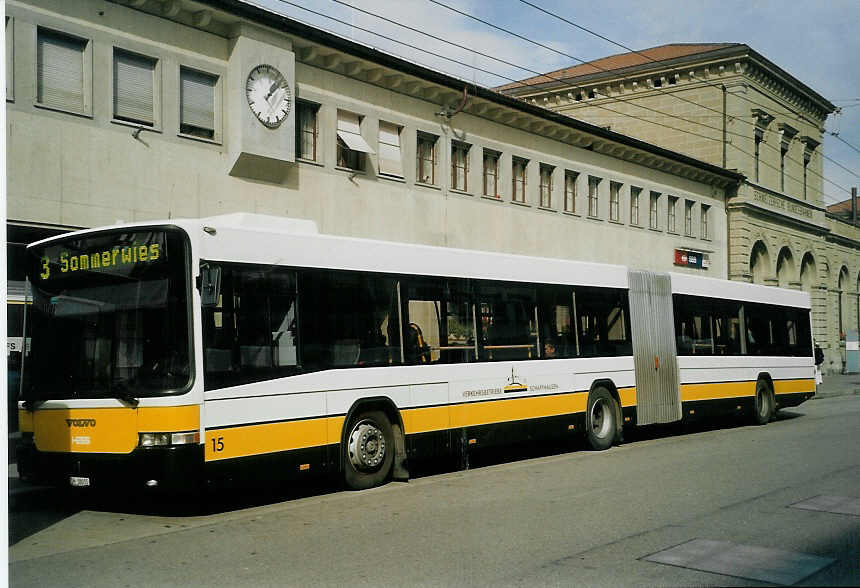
[(601, 419), (368, 450), (764, 403)]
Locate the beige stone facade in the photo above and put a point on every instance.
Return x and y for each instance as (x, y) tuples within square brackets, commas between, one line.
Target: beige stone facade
[(729, 106), (89, 167)]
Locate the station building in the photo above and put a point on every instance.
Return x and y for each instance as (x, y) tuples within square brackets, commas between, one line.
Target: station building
[(726, 104), (132, 110)]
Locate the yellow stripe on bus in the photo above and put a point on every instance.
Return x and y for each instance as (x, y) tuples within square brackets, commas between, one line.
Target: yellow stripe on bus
[(793, 386), (716, 391), (245, 440)]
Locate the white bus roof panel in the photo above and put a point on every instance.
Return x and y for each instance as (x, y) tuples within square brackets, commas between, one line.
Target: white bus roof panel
[(717, 288)]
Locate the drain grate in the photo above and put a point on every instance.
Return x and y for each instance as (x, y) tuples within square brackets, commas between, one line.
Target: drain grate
[(835, 504), (776, 566)]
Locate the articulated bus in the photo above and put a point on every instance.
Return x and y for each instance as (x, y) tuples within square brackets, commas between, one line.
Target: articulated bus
[(166, 354)]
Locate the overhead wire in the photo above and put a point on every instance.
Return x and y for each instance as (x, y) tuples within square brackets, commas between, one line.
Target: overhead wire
[(649, 58), (517, 35), (502, 76)]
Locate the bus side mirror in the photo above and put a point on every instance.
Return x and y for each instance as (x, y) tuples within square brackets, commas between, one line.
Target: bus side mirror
[(210, 285)]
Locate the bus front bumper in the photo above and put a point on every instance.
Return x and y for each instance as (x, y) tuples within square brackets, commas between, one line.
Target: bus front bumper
[(163, 468)]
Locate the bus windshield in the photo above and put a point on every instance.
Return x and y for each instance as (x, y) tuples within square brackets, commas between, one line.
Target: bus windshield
[(110, 316)]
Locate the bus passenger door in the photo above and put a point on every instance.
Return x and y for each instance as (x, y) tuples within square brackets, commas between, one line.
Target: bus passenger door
[(658, 390)]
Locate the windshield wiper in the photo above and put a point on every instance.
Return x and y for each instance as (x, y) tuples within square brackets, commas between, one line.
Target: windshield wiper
[(121, 393), (31, 404)]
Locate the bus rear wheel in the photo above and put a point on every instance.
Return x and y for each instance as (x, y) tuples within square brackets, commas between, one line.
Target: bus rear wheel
[(368, 450), (601, 419), (763, 403)]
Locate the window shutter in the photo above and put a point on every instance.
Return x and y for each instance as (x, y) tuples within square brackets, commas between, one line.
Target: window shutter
[(134, 77), (197, 99), (349, 131), (60, 71), (390, 161)]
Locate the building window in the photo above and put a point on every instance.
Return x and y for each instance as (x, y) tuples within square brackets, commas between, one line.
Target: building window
[(653, 221), (759, 136), (706, 212), (460, 166), (671, 205), (688, 217), (546, 185), (491, 173), (593, 196), (783, 150), (390, 160), (135, 88), (807, 157), (351, 146), (307, 130), (63, 72), (614, 190), (518, 175), (570, 191), (10, 60), (197, 103), (634, 205), (426, 156)]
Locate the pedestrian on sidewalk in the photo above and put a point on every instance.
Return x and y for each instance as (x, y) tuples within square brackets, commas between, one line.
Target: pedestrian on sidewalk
[(819, 359)]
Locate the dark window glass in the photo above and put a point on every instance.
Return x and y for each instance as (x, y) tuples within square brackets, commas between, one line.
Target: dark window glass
[(602, 318), (693, 325), (555, 317), (508, 330), (250, 335), (439, 321), (348, 319), (109, 316), (777, 330), (706, 326)]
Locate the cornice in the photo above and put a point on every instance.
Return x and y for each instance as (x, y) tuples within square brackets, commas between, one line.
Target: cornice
[(701, 68), (319, 49)]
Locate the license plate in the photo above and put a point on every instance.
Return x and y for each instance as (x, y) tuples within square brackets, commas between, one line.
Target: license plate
[(79, 482)]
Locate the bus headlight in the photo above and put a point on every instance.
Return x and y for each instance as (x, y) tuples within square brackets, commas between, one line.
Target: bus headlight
[(164, 439)]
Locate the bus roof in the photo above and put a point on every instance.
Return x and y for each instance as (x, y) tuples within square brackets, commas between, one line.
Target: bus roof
[(256, 238)]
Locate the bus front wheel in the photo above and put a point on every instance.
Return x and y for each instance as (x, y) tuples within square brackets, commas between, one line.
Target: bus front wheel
[(763, 403), (601, 419), (368, 450)]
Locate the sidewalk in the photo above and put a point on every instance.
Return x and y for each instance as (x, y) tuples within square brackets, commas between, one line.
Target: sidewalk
[(839, 385)]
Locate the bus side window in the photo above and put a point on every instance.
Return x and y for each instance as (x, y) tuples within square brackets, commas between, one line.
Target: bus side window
[(507, 326), (555, 319), (442, 312), (250, 333), (348, 319)]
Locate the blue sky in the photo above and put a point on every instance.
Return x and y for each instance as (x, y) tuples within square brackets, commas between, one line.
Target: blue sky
[(817, 42)]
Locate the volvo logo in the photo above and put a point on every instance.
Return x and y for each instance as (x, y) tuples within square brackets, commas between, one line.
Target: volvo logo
[(81, 422)]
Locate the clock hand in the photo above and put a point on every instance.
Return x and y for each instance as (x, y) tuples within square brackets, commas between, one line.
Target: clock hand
[(272, 89)]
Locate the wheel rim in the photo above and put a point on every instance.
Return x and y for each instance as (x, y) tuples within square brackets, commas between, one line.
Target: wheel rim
[(601, 420), (366, 446)]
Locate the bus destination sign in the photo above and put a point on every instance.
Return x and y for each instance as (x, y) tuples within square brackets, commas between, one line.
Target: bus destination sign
[(67, 261)]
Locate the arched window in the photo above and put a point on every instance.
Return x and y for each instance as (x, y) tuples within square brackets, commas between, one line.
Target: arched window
[(759, 262), (786, 271)]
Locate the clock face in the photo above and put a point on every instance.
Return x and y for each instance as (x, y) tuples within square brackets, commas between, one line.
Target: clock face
[(268, 95)]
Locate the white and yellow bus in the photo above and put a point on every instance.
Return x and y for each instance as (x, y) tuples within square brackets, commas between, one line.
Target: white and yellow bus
[(169, 353)]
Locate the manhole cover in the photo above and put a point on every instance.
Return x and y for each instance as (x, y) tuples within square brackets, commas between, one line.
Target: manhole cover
[(776, 566), (835, 504)]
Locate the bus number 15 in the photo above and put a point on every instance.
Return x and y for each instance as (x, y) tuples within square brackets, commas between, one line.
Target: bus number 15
[(217, 444)]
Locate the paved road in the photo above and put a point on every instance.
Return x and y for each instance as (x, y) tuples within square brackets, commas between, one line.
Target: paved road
[(556, 519)]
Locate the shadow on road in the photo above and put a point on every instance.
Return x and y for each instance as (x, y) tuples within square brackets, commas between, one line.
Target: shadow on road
[(31, 512)]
